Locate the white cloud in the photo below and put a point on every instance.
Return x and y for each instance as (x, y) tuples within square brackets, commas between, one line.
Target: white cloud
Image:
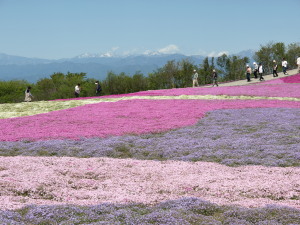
[(111, 52), (212, 53), (115, 48), (217, 54), (222, 53), (130, 52), (148, 52), (201, 52), (170, 49)]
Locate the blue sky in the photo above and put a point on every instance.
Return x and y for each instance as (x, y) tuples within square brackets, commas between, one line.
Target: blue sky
[(55, 29)]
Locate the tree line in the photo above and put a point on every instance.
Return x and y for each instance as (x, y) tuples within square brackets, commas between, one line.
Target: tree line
[(174, 74)]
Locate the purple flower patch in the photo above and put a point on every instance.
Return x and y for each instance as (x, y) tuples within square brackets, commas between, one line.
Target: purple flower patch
[(233, 137)]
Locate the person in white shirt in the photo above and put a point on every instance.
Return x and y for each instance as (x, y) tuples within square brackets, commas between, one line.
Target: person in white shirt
[(275, 67), (195, 79), (28, 95), (260, 71), (255, 70), (298, 63), (284, 66), (77, 90)]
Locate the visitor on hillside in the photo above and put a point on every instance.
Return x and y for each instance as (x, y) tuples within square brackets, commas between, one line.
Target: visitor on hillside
[(215, 78), (248, 73), (284, 66), (298, 63), (195, 79), (98, 88), (28, 95), (275, 67), (255, 70), (77, 90), (260, 72)]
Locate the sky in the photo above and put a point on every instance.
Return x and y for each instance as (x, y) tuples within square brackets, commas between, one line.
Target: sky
[(56, 29)]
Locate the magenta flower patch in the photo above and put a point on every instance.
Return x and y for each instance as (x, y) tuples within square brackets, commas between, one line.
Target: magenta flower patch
[(120, 118), (289, 79)]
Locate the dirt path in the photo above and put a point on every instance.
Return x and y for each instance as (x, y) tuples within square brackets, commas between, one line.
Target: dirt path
[(266, 77)]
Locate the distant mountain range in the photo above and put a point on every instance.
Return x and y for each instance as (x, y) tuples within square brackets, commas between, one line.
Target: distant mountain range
[(95, 66)]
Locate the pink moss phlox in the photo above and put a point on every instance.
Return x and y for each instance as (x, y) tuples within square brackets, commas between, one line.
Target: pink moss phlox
[(64, 180), (122, 117)]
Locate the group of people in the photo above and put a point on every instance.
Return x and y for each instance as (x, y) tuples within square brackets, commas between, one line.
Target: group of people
[(258, 69), (214, 78), (258, 72), (98, 89)]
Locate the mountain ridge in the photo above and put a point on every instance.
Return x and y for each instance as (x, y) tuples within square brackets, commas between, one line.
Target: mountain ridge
[(94, 65)]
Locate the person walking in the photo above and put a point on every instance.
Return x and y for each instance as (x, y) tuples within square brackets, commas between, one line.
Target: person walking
[(28, 95), (195, 79), (98, 88), (255, 70), (77, 90), (275, 67), (215, 78), (284, 66), (260, 72), (248, 73), (298, 63)]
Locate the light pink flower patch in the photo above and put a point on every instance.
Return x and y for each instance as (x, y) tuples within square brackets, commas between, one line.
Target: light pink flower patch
[(120, 118), (52, 180)]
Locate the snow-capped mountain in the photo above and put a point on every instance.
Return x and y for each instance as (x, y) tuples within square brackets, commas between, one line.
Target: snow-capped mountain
[(93, 55)]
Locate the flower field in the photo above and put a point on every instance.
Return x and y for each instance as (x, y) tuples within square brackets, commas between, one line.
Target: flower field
[(224, 155)]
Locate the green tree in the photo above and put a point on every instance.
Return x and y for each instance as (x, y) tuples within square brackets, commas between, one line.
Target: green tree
[(110, 83), (293, 51), (265, 56), (170, 71), (184, 75), (278, 51), (204, 72), (139, 82), (232, 68), (13, 91), (164, 78), (61, 86), (223, 63), (45, 89)]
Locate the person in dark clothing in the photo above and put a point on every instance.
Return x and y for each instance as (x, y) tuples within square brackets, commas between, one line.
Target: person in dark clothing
[(248, 73), (98, 88), (215, 78), (275, 67)]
